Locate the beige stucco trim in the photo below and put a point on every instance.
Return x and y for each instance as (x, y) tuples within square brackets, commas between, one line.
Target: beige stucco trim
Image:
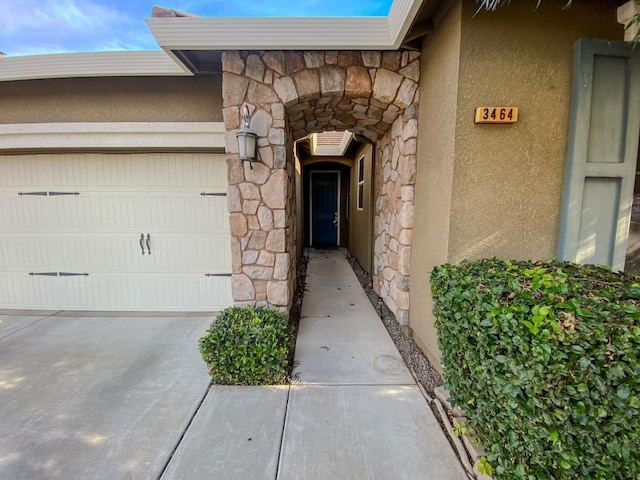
[(250, 33), (127, 135), (90, 64)]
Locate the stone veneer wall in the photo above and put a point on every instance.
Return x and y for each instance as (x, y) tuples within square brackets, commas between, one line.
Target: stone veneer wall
[(260, 194), (289, 95), (393, 226)]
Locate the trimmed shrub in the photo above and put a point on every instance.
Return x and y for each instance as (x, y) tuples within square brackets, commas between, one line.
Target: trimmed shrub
[(247, 346), (543, 357)]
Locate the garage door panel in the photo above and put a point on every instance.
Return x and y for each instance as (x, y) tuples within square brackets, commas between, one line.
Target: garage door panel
[(181, 254), (20, 171), (168, 213), (213, 254), (79, 253), (122, 253), (202, 293), (35, 252), (70, 171), (209, 171), (96, 211), (210, 213), (26, 253), (37, 292), (94, 292), (91, 170), (5, 255), (64, 212), (164, 171), (169, 253), (25, 212)]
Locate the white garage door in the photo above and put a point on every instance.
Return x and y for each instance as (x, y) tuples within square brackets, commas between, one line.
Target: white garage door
[(114, 232)]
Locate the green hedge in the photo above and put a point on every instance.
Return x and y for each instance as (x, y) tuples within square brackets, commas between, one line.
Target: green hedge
[(543, 357), (248, 346)]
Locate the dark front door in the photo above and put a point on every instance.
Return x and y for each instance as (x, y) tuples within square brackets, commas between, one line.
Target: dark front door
[(325, 219)]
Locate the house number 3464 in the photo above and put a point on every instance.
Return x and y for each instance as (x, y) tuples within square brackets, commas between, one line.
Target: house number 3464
[(496, 115)]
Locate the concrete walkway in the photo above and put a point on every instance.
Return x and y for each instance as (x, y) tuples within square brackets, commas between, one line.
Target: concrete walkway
[(356, 412)]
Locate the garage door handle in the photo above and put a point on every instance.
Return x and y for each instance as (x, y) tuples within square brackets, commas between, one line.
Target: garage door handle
[(142, 242), (149, 243)]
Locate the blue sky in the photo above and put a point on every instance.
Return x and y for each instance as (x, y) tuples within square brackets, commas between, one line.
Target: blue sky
[(52, 26)]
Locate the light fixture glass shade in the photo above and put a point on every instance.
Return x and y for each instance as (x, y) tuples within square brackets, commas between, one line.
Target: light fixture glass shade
[(247, 140)]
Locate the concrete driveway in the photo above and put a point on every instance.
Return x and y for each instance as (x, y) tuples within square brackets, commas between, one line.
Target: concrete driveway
[(96, 397)]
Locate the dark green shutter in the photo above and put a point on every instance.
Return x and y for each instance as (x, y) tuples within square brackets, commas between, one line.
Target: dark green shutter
[(602, 153)]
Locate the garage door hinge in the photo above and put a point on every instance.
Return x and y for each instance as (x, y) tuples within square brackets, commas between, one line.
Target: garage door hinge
[(217, 274), (48, 194), (58, 274), (218, 194)]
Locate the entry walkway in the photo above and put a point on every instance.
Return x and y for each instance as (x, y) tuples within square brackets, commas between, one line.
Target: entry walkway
[(355, 413)]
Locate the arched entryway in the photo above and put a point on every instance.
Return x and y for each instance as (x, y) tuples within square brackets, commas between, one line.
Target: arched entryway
[(337, 193), (291, 95)]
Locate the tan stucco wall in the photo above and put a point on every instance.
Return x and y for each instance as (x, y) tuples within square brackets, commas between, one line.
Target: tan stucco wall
[(494, 190), (134, 99), (508, 179), (361, 224), (436, 154)]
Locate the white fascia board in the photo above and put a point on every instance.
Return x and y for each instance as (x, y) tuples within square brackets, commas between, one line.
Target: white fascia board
[(90, 64), (287, 33), (211, 33), (401, 17), (121, 135)]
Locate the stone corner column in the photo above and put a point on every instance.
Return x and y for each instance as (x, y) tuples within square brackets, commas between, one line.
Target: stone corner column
[(259, 194)]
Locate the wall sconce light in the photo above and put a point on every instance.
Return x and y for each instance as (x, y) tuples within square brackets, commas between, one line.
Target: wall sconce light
[(247, 140)]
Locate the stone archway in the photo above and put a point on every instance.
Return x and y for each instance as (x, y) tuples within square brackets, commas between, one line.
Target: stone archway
[(294, 93)]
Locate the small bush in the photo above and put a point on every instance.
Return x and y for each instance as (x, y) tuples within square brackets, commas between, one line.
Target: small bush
[(247, 346), (543, 357)]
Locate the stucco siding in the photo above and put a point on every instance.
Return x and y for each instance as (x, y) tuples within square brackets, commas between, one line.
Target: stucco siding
[(508, 180), (133, 99), (361, 222), (434, 175), (494, 190)]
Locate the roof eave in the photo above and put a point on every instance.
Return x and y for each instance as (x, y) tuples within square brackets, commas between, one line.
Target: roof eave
[(218, 34), (90, 64), (287, 33), (207, 33)]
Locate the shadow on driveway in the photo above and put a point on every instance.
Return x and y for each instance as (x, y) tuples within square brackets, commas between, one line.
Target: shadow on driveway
[(99, 397)]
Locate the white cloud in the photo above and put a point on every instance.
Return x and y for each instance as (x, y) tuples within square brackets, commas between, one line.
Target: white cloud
[(70, 16), (54, 26)]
